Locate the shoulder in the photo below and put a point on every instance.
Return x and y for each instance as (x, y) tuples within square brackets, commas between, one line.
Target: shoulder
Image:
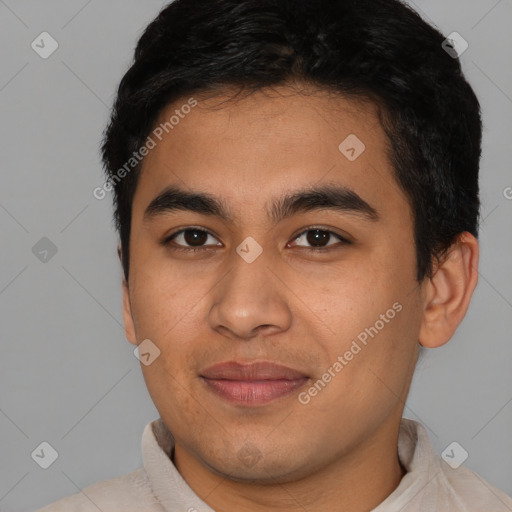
[(127, 493), (433, 484), (470, 492)]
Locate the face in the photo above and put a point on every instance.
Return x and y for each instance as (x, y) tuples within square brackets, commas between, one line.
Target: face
[(298, 250)]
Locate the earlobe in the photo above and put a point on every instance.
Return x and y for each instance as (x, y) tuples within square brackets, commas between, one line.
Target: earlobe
[(129, 327), (449, 291)]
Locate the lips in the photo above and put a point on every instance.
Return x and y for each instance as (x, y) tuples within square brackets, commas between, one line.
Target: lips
[(252, 384), (257, 371)]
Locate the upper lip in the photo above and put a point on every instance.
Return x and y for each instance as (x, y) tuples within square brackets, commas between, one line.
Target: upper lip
[(259, 370)]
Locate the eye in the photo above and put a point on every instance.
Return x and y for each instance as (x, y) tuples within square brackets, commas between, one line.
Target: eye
[(194, 237), (319, 239)]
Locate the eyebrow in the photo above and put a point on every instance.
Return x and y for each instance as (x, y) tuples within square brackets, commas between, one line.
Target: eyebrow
[(327, 197)]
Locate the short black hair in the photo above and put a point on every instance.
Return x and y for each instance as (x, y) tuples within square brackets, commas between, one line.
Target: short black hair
[(376, 50)]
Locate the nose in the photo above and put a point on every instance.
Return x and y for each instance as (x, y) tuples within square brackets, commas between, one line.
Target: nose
[(250, 301)]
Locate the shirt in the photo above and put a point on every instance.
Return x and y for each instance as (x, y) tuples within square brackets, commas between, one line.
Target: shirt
[(429, 485)]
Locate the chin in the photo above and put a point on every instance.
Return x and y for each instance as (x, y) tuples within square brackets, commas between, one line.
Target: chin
[(268, 473)]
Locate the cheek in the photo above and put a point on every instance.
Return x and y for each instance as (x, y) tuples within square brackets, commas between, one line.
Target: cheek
[(374, 318), (169, 386), (164, 298), (376, 365), (351, 302)]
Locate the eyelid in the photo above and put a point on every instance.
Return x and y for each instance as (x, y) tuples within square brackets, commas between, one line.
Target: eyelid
[(169, 238), (343, 239)]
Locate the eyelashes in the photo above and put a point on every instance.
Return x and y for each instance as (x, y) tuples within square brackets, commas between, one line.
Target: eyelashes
[(170, 241), (318, 231), (192, 235)]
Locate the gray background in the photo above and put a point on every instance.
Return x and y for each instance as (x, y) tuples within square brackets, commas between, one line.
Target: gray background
[(67, 374)]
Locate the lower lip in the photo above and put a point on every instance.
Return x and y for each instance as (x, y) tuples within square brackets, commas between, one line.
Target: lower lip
[(256, 392)]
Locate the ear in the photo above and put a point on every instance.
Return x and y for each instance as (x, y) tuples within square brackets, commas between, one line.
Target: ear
[(129, 327), (448, 292)]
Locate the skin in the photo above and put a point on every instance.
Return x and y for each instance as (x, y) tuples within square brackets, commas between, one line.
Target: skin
[(288, 306)]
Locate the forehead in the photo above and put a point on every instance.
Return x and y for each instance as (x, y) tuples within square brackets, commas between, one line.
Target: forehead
[(279, 117), (247, 150)]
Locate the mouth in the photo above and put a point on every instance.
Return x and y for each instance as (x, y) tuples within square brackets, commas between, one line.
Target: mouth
[(252, 384)]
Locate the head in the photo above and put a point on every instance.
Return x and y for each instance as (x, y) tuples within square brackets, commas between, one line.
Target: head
[(338, 145)]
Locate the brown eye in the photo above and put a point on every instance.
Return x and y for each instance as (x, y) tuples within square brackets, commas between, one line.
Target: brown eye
[(195, 237), (190, 237), (318, 239)]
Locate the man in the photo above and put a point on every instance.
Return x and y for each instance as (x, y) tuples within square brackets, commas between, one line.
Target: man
[(296, 193)]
